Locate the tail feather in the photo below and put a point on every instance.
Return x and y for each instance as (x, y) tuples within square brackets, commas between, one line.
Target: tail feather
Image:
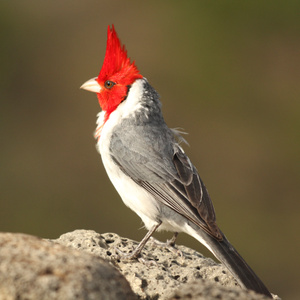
[(227, 254)]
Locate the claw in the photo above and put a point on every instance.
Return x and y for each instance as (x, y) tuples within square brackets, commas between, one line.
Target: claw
[(135, 255), (169, 244)]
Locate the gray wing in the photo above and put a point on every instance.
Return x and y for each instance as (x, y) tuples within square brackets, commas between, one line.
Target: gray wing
[(154, 160)]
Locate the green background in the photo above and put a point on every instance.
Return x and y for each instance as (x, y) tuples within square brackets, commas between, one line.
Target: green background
[(228, 73)]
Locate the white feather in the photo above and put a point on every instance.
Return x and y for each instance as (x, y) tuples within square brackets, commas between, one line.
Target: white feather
[(134, 196)]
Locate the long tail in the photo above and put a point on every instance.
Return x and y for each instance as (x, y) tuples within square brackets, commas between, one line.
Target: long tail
[(226, 253)]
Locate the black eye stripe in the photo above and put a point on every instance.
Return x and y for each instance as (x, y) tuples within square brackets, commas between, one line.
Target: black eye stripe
[(128, 88), (109, 84)]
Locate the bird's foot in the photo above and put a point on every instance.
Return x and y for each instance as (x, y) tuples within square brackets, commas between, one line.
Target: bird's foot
[(129, 256), (135, 254), (169, 244)]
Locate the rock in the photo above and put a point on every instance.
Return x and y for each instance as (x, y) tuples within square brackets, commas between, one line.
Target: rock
[(32, 268), (72, 267), (204, 290), (190, 276)]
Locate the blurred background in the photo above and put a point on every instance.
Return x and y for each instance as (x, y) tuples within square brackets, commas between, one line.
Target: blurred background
[(228, 73)]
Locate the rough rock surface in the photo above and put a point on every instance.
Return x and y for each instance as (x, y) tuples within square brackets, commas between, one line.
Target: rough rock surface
[(190, 276), (32, 268), (204, 290)]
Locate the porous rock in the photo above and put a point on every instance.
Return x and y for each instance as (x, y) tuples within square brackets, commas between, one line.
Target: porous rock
[(32, 268), (205, 290), (164, 274)]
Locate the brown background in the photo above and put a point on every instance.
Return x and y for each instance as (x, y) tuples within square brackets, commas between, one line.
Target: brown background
[(227, 72)]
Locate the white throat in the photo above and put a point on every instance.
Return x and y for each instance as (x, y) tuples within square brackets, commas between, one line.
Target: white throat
[(125, 109)]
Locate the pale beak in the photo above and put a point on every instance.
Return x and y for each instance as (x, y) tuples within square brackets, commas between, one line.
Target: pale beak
[(92, 85)]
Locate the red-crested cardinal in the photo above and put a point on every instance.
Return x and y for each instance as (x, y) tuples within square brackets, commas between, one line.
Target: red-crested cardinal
[(148, 167)]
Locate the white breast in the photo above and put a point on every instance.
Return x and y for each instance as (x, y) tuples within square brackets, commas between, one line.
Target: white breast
[(135, 197), (150, 210)]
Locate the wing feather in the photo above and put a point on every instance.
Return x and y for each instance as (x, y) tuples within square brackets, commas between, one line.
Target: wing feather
[(166, 172)]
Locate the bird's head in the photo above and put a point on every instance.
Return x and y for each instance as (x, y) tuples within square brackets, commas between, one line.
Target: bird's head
[(116, 75)]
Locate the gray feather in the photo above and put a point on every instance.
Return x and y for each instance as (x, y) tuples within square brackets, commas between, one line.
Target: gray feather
[(146, 150)]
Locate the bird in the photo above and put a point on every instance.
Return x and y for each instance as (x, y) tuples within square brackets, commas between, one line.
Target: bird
[(147, 165)]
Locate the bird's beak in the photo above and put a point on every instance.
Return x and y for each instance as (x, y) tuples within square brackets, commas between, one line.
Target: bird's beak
[(92, 85)]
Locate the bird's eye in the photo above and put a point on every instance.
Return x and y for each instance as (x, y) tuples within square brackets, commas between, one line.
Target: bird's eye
[(109, 84)]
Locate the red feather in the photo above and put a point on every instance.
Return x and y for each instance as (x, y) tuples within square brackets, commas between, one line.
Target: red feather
[(118, 69)]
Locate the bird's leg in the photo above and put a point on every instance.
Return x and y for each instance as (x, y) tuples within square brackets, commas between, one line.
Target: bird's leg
[(172, 241), (137, 251), (169, 244)]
